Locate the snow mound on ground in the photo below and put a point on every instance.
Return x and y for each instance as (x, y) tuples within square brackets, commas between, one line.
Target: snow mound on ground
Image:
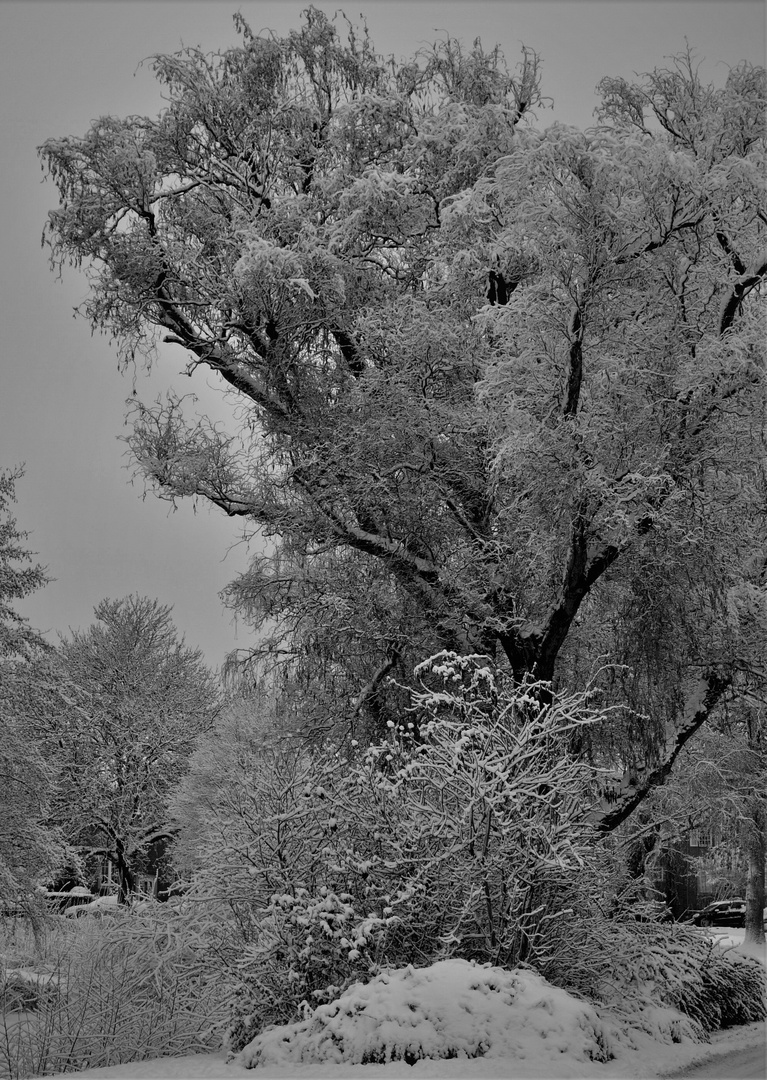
[(452, 1009)]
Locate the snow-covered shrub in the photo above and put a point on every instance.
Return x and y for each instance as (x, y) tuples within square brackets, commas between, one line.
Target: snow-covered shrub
[(288, 923), (133, 987), (635, 967), (308, 949), (452, 1009), (491, 809), (732, 989), (450, 839)]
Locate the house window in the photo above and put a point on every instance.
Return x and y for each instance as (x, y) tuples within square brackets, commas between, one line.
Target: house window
[(701, 838)]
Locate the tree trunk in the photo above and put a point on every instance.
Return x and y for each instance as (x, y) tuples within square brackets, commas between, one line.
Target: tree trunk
[(124, 876), (756, 843)]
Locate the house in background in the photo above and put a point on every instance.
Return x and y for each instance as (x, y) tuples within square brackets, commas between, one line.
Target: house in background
[(152, 872), (105, 881), (705, 866)]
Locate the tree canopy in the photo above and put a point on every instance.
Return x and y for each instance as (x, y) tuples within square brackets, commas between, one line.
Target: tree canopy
[(499, 387)]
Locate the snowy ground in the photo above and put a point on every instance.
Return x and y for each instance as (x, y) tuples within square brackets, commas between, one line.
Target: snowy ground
[(653, 1061), (732, 937), (536, 1032)]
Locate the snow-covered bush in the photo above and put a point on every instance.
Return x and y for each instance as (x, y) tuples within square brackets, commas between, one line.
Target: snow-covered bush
[(634, 967), (450, 839), (492, 809), (111, 991), (464, 835), (452, 1009), (287, 926), (691, 972), (308, 948)]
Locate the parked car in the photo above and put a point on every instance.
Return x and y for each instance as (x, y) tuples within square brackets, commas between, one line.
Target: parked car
[(722, 913)]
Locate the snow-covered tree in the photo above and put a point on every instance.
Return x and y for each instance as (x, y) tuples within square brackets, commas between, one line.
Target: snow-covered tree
[(18, 575), (30, 849), (119, 710), (494, 381)]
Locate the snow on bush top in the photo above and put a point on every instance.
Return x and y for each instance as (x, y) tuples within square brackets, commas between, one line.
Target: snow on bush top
[(452, 1009)]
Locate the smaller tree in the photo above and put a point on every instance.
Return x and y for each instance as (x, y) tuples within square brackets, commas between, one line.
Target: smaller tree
[(18, 575), (122, 707), (30, 850)]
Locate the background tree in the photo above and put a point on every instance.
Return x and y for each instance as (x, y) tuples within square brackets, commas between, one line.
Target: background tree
[(720, 788), (493, 380), (30, 849), (120, 711), (18, 575)]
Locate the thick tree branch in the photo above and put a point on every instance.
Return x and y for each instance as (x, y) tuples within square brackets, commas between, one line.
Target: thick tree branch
[(739, 291), (621, 798), (534, 648), (653, 245), (232, 371), (350, 352), (737, 262), (369, 692), (171, 317), (499, 289)]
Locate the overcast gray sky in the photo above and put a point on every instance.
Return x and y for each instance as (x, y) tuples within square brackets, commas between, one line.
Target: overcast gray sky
[(62, 400)]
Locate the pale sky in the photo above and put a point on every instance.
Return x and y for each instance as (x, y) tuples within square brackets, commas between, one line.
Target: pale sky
[(62, 400)]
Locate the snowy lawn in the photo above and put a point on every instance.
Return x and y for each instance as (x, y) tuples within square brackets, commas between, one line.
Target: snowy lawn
[(647, 1062), (524, 1028), (652, 1061), (734, 938)]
